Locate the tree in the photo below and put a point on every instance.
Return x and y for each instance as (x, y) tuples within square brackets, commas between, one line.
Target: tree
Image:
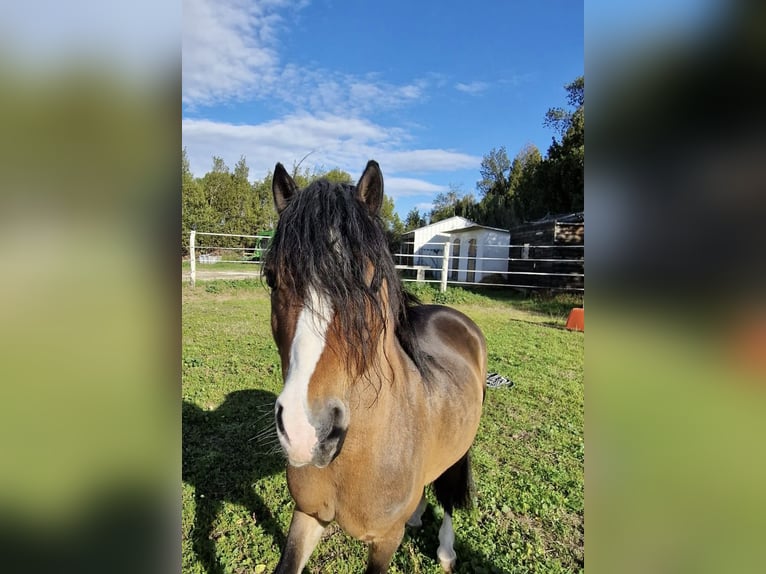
[(494, 169), (451, 203), (195, 210), (560, 119), (555, 185), (337, 175), (229, 195), (242, 218), (263, 203), (444, 205), (392, 223), (413, 220), (498, 206)]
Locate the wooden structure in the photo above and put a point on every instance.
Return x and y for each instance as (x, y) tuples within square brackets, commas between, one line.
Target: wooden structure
[(548, 253)]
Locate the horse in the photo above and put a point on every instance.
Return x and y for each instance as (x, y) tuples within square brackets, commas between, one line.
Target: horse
[(382, 395)]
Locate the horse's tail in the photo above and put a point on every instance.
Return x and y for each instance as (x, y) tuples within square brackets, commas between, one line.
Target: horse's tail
[(455, 488)]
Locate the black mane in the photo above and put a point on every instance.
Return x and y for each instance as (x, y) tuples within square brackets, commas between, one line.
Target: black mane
[(324, 240)]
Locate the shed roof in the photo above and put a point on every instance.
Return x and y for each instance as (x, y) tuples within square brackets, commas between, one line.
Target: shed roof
[(476, 226), (463, 220)]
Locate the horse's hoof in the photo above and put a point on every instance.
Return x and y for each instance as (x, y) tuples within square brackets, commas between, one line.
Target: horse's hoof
[(415, 522), (448, 565), (447, 559)]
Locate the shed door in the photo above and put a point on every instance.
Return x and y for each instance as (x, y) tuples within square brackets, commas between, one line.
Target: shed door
[(455, 260), (471, 261)]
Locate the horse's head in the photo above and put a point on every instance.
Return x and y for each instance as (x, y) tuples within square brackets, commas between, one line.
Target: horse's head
[(331, 280)]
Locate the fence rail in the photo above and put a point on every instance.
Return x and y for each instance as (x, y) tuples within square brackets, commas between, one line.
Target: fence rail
[(443, 268)]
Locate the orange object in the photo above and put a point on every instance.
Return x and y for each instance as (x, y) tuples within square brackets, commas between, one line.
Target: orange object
[(748, 343), (576, 320)]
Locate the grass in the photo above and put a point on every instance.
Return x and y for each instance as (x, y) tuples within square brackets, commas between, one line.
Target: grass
[(527, 459)]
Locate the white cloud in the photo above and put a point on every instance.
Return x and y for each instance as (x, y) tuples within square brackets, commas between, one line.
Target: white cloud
[(228, 46), (230, 53), (398, 187), (335, 141), (424, 160), (424, 207), (472, 88)]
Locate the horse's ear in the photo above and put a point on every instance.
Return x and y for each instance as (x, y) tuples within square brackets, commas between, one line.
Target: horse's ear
[(370, 187), (283, 187)]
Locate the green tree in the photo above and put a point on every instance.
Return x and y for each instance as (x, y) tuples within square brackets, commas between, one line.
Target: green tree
[(501, 180), (392, 223), (263, 204), (413, 220), (242, 218), (337, 175), (443, 205), (525, 184), (453, 202), (494, 172), (560, 119), (557, 184), (195, 210)]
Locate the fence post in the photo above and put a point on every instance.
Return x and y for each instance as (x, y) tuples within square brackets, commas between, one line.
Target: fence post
[(192, 259), (445, 265)]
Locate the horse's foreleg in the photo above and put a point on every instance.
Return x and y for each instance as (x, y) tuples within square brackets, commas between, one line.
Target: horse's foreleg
[(416, 519), (382, 550), (305, 532)]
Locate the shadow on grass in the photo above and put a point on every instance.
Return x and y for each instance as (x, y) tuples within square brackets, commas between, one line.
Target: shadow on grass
[(222, 458)]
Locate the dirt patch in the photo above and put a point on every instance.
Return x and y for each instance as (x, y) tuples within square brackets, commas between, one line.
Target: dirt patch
[(210, 275)]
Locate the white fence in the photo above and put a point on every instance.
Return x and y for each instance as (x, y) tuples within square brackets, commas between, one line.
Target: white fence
[(552, 267), (561, 270), (247, 254)]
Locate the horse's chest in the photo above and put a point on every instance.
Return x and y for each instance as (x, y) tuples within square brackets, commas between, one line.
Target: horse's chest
[(368, 518), (369, 504)]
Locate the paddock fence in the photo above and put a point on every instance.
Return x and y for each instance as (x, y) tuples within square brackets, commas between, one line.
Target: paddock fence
[(521, 266)]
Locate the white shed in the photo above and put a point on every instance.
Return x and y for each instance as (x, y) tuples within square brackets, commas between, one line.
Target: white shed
[(476, 250), (425, 245)]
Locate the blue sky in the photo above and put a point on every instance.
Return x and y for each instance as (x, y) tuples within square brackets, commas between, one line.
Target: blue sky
[(426, 88)]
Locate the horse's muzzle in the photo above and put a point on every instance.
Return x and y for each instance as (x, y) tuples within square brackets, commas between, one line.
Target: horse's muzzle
[(329, 429)]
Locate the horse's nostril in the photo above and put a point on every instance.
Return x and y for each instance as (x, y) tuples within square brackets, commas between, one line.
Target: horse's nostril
[(338, 415), (333, 431), (280, 424)]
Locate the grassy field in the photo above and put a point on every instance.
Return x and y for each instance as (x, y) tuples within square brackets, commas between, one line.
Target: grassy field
[(527, 460)]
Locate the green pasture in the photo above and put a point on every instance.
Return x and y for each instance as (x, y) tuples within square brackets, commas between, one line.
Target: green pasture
[(528, 457)]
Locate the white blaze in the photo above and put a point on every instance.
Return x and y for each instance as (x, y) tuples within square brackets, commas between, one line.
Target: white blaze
[(307, 346)]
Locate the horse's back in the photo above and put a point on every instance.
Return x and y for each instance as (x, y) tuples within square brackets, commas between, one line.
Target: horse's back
[(450, 338)]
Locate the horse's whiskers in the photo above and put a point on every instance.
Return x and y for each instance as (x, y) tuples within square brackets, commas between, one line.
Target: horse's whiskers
[(267, 433)]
